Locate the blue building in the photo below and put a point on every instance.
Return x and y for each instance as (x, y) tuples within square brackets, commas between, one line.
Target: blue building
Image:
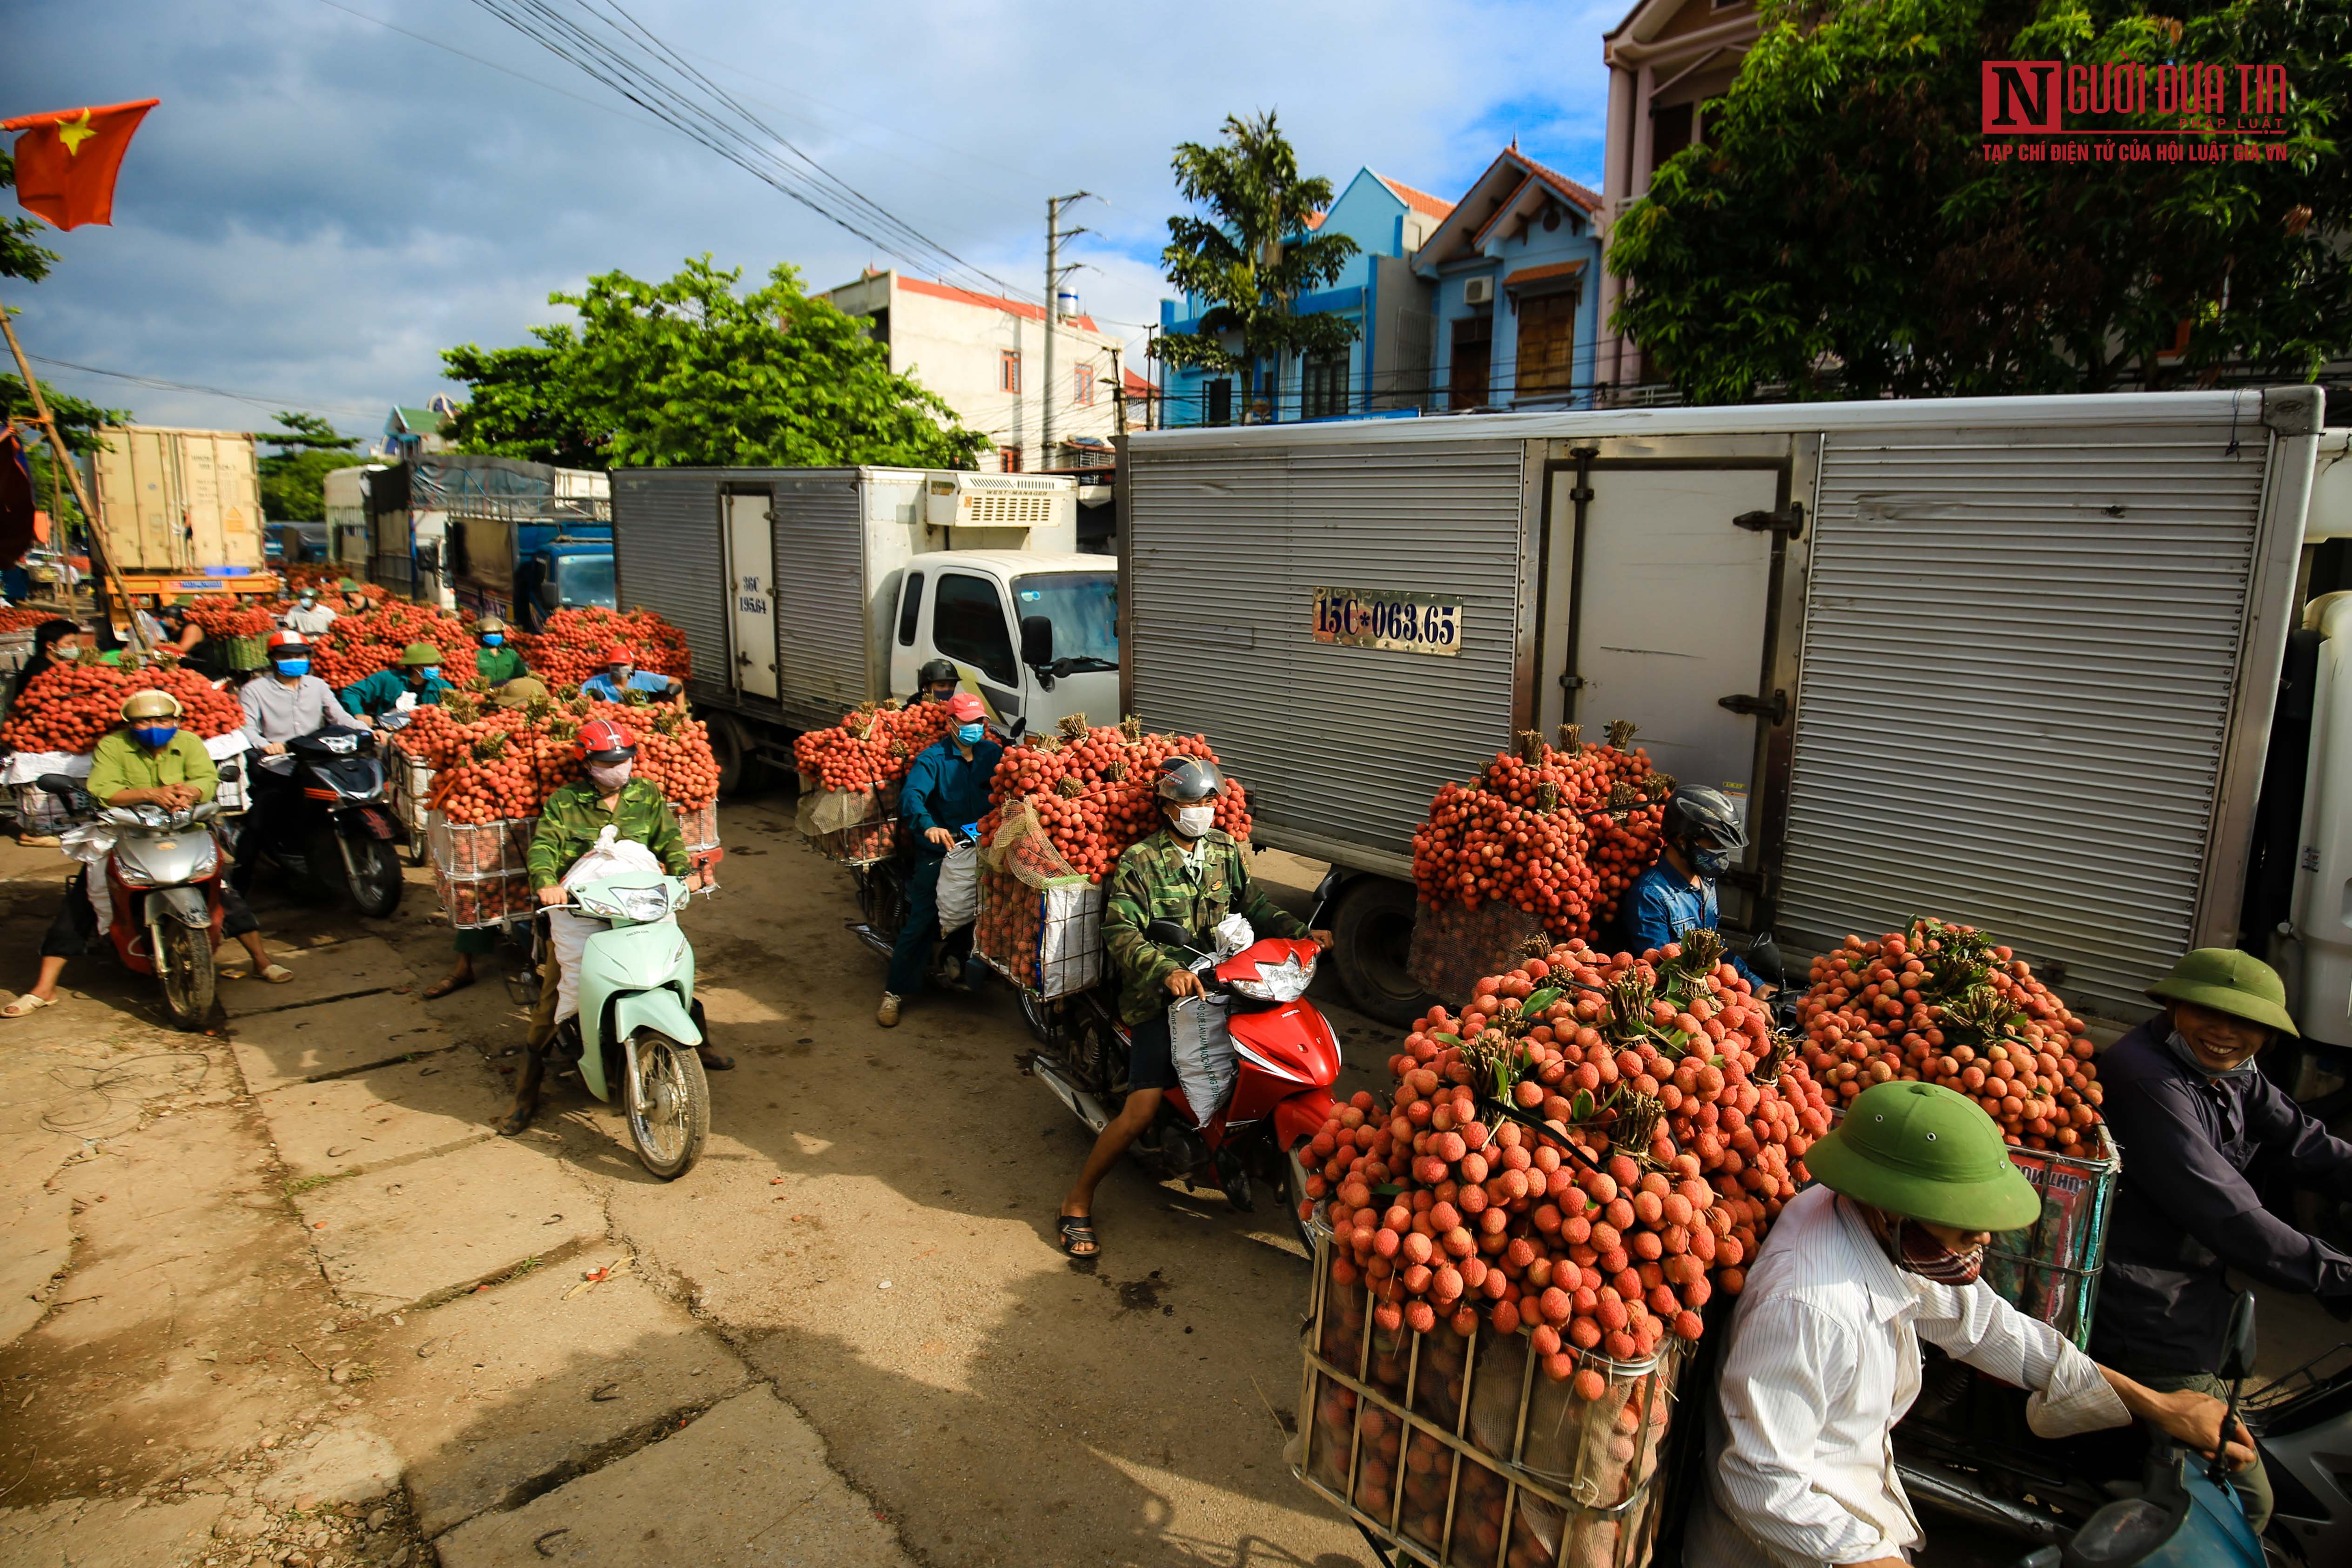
[(1387, 366), (1517, 274)]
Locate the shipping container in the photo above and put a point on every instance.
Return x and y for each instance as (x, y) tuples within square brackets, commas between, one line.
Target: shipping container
[(178, 502), (2010, 661)]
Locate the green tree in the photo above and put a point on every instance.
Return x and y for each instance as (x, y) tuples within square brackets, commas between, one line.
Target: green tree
[(688, 371), (1842, 232), (1254, 255), (293, 478)]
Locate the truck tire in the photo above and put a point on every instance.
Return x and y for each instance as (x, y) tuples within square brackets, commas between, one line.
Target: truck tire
[(740, 771), (1372, 935)]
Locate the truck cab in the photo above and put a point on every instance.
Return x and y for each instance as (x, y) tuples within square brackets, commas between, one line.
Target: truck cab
[(1035, 636), (563, 575)]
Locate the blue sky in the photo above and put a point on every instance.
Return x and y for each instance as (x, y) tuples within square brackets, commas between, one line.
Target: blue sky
[(321, 204)]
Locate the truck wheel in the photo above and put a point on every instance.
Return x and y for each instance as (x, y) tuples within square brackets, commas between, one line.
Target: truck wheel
[(740, 771), (1372, 937)]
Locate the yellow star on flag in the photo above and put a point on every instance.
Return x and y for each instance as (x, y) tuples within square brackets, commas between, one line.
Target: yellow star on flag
[(73, 133)]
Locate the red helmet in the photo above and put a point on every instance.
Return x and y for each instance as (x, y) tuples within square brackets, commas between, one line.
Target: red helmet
[(618, 654), (963, 708), (287, 644), (607, 742)]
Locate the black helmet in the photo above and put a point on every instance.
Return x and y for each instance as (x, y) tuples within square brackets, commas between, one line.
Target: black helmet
[(1189, 780), (937, 671), (1695, 811)]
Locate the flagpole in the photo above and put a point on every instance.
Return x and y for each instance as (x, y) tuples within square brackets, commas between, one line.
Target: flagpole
[(59, 456)]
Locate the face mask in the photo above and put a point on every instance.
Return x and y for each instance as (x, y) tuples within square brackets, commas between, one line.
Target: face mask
[(619, 674), (309, 602), (970, 734), (293, 666), (2180, 1047), (1916, 1250), (1710, 862), (155, 737), (492, 639), (425, 672), (64, 653), (1192, 821), (609, 779)]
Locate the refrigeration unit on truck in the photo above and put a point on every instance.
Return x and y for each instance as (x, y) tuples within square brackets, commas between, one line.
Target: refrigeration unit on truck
[(182, 510), (2012, 661), (804, 592)]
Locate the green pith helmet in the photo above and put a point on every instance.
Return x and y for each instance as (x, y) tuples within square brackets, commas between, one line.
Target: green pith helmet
[(149, 705), (490, 624), (417, 653), (349, 585), (1925, 1151), (521, 689), (2227, 980)]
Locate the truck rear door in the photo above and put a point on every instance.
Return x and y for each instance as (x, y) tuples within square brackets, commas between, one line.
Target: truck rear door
[(751, 598)]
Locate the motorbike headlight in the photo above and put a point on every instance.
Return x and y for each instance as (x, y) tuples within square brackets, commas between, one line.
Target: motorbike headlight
[(643, 905), (133, 874), (1287, 981), (207, 860)]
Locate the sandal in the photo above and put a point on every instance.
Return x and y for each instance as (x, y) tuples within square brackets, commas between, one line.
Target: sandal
[(28, 1003), (1078, 1234), (441, 988), (277, 975)]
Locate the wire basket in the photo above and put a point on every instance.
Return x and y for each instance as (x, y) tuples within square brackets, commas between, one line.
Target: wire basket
[(698, 825), (481, 870), (412, 786), (1457, 1451), (238, 653), (2050, 1270), (1048, 941)]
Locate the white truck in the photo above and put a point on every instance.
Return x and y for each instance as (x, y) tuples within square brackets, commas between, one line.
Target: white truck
[(804, 592), (2021, 662)]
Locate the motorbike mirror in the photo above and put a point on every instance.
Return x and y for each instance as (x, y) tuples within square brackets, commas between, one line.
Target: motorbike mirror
[(1168, 933), (1036, 641), (1764, 958), (2238, 1345)]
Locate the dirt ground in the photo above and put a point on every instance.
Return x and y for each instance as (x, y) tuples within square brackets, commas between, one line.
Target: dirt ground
[(278, 1295)]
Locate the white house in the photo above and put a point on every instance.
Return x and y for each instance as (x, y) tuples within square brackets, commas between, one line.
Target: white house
[(984, 356)]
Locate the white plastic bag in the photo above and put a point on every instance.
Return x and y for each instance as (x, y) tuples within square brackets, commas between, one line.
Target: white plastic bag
[(959, 895), (567, 933), (611, 855), (1202, 1046)]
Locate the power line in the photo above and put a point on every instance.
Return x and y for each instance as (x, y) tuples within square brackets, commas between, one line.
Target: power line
[(602, 39), (161, 384), (503, 70)]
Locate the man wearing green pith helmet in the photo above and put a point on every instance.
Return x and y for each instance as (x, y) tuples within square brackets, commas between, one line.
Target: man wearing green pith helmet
[(1883, 1252)]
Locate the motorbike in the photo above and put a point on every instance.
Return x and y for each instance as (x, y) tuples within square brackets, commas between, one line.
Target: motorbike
[(162, 878), (881, 888), (339, 838), (1286, 1055), (639, 1021), (2180, 1511)]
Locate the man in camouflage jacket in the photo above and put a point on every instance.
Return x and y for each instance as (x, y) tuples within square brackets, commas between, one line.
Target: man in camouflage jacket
[(1191, 873)]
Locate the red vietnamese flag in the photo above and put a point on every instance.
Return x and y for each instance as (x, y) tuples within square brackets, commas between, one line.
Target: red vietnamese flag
[(65, 160)]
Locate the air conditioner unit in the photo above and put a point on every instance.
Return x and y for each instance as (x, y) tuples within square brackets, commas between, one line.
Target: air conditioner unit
[(993, 501), (1478, 291)]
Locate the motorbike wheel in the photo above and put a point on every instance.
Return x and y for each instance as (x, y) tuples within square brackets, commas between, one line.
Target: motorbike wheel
[(184, 964), (373, 879), (1038, 1014), (1294, 1194), (667, 1104)]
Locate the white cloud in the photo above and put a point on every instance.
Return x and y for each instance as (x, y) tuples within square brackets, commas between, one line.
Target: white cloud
[(321, 204)]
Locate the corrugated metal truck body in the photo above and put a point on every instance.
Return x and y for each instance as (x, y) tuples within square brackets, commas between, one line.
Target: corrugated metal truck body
[(2009, 661), (179, 501)]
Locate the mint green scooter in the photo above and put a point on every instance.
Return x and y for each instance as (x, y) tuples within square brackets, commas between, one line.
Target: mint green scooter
[(638, 1022)]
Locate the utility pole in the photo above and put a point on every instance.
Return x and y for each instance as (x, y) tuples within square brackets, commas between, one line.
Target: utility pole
[(101, 555), (1118, 393), (1054, 269)]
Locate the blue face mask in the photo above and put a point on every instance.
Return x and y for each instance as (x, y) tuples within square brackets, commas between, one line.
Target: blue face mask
[(293, 666), (1709, 861), (425, 672), (970, 734), (155, 737), (492, 639)]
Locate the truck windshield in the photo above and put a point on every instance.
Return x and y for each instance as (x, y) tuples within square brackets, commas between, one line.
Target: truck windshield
[(1084, 608), (584, 580)]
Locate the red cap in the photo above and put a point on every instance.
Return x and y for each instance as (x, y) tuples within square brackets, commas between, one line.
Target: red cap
[(287, 642), (608, 739), (619, 654), (963, 708)]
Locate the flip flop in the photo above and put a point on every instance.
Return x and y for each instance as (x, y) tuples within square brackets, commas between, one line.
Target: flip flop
[(277, 974), (28, 1003), (1078, 1231), (441, 988)]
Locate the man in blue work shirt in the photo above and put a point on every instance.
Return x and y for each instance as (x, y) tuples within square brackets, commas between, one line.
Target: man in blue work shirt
[(621, 673), (946, 792), (1677, 894)]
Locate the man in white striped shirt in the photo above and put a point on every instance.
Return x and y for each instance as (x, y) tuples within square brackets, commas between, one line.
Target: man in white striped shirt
[(1823, 1359)]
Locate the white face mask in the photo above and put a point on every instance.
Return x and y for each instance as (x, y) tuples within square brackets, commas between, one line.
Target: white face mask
[(1192, 821), (607, 780)]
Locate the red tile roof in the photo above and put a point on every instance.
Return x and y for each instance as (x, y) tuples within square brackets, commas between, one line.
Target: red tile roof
[(1584, 196), (1315, 220), (1137, 387), (1527, 274), (1419, 201), (1029, 308)]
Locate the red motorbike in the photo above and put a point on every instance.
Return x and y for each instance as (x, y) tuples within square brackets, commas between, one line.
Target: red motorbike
[(162, 878), (1285, 1059)]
